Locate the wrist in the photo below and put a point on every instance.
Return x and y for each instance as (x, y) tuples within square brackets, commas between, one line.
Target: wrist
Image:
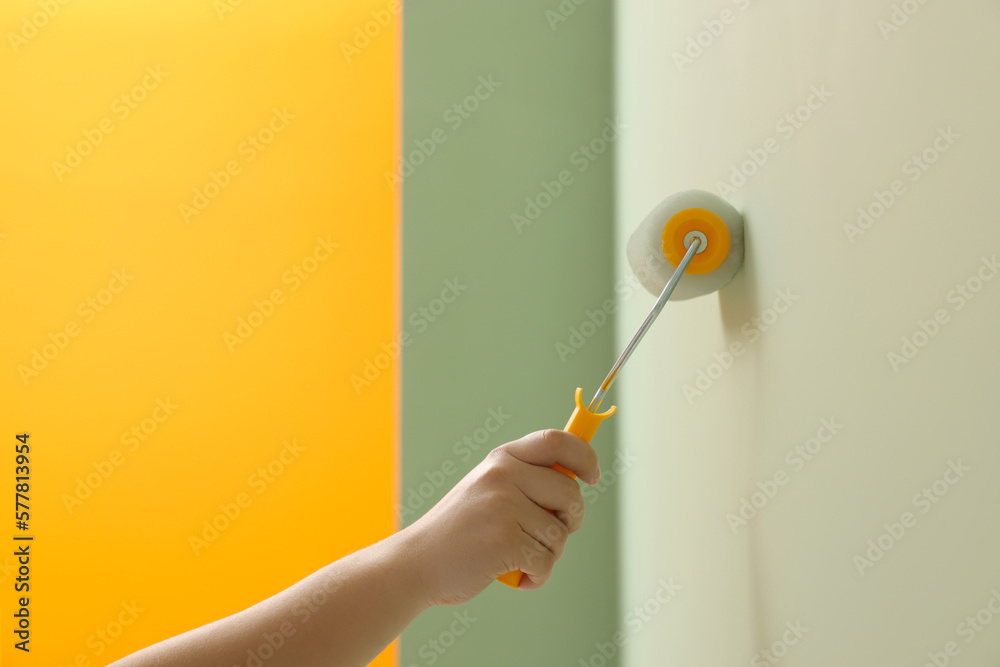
[(406, 563)]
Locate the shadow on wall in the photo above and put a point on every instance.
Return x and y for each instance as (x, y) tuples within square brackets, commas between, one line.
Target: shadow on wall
[(738, 303)]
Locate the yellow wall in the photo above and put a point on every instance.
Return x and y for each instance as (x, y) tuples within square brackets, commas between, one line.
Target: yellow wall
[(160, 335)]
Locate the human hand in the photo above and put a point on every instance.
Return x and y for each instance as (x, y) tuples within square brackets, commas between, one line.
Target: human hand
[(495, 519)]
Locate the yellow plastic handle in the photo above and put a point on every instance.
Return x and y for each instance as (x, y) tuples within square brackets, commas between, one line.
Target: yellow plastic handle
[(582, 423)]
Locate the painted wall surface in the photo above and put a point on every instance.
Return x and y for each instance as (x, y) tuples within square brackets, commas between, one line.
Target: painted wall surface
[(171, 175), (817, 443), (487, 300)]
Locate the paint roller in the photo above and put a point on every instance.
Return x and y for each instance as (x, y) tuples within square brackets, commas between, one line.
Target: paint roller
[(693, 235)]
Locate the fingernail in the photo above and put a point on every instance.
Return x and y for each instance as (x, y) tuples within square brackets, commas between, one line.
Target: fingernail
[(597, 477)]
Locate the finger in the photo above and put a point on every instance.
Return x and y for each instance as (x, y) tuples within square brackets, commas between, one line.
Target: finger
[(535, 562), (548, 531), (551, 446), (538, 570), (551, 490)]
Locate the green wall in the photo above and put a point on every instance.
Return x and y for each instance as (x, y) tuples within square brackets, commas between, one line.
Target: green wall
[(495, 346)]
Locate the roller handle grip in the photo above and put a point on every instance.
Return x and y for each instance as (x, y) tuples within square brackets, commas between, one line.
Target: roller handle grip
[(582, 423)]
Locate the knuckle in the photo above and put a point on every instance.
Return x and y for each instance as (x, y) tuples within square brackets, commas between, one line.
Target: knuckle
[(496, 471), (498, 501), (497, 454), (551, 440)]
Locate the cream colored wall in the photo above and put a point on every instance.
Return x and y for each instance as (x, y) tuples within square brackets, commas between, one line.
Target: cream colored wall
[(833, 300)]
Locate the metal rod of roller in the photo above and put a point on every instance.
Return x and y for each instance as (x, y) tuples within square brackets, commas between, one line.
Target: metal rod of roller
[(657, 307)]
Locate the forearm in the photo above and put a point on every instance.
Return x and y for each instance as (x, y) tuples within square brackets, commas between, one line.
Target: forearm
[(513, 511), (343, 614)]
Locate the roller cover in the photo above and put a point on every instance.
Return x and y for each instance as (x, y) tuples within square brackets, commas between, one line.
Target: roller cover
[(650, 264)]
